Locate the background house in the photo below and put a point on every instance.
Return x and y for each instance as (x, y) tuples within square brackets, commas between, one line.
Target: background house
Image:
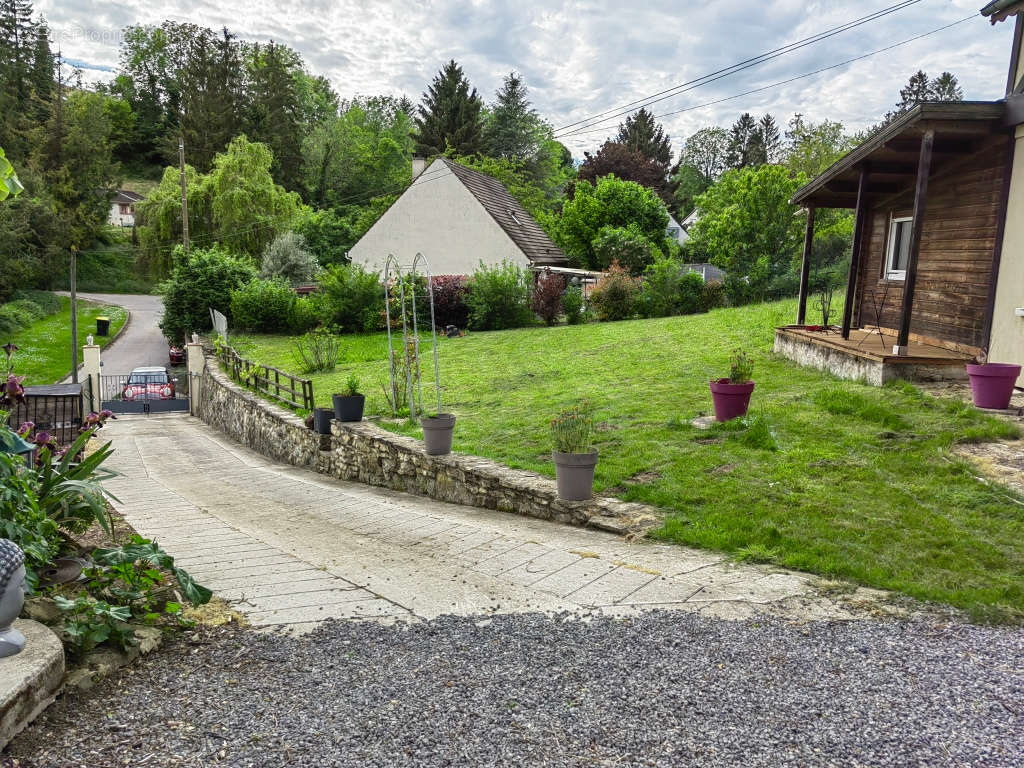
[(122, 208), (675, 230), (456, 217)]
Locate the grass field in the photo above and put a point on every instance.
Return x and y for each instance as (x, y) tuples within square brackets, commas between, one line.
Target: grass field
[(44, 348), (831, 477)]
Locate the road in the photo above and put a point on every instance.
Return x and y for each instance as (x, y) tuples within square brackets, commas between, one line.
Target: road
[(142, 342)]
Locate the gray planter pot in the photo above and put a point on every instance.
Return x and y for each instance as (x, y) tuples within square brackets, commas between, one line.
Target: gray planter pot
[(574, 474), (437, 433)]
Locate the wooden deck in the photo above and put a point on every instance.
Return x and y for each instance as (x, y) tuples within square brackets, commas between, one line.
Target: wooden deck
[(869, 344)]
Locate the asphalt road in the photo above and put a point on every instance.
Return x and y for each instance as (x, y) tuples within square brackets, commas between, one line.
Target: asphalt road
[(141, 343)]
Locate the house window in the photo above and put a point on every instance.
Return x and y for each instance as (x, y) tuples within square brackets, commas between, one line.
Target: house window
[(898, 253)]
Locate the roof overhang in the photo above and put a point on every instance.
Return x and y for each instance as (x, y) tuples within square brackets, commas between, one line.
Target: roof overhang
[(893, 152), (999, 10)]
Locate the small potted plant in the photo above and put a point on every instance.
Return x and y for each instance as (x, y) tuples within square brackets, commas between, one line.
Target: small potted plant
[(572, 436), (348, 405), (437, 432), (731, 396)]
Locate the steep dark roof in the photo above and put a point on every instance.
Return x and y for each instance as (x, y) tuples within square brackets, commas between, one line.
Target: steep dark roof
[(510, 215), (126, 196)]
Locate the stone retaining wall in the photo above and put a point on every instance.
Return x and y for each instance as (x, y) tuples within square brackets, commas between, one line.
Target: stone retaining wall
[(363, 452)]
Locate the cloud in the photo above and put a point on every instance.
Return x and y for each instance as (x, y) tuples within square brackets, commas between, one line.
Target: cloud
[(583, 57)]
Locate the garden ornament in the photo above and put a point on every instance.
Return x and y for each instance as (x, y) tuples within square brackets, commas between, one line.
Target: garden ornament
[(12, 597)]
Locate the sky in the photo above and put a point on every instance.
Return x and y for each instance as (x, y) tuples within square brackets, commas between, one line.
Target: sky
[(586, 57)]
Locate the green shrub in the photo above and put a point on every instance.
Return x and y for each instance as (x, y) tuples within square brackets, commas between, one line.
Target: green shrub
[(19, 314), (317, 351), (499, 297), (614, 297), (660, 292), (48, 302), (351, 299), (264, 306), (691, 291), (205, 278), (712, 296), (306, 314), (572, 305), (626, 245)]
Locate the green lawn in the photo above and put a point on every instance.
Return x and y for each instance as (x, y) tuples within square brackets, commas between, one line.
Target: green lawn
[(44, 348), (832, 477)]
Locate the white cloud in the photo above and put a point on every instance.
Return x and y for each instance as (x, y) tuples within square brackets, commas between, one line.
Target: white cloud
[(582, 57)]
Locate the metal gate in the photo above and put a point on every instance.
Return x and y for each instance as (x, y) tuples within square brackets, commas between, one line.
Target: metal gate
[(149, 391)]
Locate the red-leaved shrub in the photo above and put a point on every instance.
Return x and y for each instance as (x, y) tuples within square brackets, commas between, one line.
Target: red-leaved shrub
[(547, 296), (450, 301)]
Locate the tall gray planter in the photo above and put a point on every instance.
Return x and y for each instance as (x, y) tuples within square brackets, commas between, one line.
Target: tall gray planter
[(437, 433), (574, 475)]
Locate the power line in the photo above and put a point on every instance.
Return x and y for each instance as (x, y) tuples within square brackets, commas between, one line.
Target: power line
[(734, 68), (792, 79)]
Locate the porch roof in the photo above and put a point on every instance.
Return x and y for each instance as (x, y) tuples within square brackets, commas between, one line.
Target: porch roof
[(893, 151)]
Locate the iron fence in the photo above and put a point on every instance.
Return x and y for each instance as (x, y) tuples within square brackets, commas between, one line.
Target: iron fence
[(267, 380)]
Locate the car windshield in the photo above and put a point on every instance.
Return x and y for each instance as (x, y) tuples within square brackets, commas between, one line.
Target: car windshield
[(151, 377)]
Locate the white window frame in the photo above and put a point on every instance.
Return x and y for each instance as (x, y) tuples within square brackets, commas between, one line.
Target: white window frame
[(890, 251)]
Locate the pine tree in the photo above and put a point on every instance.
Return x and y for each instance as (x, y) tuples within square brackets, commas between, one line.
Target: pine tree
[(946, 88), (274, 109), (770, 138), (743, 141), (449, 115), (642, 134), (211, 96), (17, 43), (917, 90), (513, 129), (41, 72)]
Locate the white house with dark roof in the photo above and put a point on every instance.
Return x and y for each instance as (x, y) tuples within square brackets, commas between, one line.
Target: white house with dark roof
[(122, 208), (456, 217)]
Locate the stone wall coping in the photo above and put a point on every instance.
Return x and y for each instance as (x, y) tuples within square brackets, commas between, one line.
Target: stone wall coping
[(30, 680)]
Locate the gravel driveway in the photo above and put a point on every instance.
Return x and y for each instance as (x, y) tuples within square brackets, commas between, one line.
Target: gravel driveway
[(664, 689)]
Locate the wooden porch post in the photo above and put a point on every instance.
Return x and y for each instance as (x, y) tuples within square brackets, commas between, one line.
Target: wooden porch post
[(805, 266), (924, 167), (858, 237)]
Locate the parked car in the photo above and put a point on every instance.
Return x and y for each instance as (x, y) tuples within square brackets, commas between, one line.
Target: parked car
[(176, 355), (149, 383)]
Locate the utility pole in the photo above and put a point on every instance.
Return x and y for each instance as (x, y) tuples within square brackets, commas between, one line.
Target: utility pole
[(60, 106), (74, 315), (184, 193)]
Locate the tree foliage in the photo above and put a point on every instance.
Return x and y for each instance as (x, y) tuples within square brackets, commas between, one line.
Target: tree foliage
[(615, 159), (748, 227), (641, 133), (611, 202), (813, 147), (288, 258), (449, 115)]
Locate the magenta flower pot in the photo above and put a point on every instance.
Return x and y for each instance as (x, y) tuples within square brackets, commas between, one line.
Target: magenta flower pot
[(731, 400), (992, 384)]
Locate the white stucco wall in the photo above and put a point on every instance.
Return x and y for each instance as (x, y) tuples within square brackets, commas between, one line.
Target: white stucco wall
[(1007, 340), (118, 219), (438, 217)]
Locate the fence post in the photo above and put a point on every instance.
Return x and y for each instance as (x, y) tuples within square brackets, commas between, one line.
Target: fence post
[(91, 373), (196, 366)]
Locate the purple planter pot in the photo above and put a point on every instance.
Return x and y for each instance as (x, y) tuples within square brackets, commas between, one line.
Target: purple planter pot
[(730, 400), (992, 384)]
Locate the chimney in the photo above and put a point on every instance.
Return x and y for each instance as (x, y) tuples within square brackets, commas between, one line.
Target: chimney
[(419, 165)]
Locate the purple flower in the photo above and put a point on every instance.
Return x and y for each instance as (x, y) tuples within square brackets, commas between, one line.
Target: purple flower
[(43, 438), (107, 414), (13, 389), (26, 428)]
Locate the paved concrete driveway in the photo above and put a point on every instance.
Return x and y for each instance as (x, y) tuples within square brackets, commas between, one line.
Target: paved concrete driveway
[(141, 343), (288, 546)]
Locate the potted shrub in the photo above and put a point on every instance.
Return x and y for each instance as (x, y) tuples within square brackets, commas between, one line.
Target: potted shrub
[(572, 436), (348, 405), (437, 432), (992, 383), (731, 396)]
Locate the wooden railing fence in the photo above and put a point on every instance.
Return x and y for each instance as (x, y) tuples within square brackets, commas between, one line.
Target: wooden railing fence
[(267, 380)]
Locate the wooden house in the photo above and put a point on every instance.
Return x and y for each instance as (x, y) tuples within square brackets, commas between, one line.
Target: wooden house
[(939, 199)]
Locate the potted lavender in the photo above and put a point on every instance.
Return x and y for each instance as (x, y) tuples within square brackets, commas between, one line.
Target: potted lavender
[(572, 436)]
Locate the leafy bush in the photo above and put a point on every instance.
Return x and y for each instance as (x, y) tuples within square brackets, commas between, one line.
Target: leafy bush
[(547, 296), (264, 306), (205, 278), (499, 298), (288, 258), (660, 292), (21, 519), (691, 292), (306, 314), (572, 305), (317, 351), (450, 307), (328, 236), (614, 296), (48, 302), (712, 296), (16, 315), (626, 245), (351, 298)]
